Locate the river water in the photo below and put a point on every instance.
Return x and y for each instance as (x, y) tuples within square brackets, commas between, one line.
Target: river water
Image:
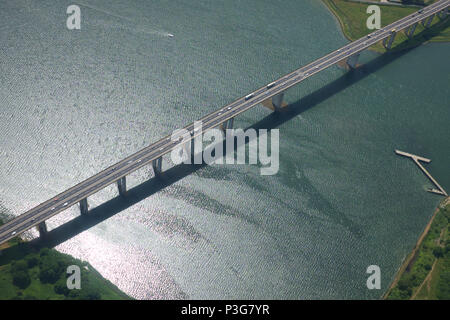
[(74, 102)]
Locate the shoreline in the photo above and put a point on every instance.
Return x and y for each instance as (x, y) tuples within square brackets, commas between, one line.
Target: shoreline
[(414, 252)]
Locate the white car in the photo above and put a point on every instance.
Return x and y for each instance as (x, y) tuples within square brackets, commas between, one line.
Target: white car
[(270, 85), (249, 96), (65, 204)]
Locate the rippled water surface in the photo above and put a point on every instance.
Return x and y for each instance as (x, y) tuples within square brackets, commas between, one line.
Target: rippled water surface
[(74, 102)]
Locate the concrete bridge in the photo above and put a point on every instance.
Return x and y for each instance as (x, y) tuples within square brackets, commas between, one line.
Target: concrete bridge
[(270, 95)]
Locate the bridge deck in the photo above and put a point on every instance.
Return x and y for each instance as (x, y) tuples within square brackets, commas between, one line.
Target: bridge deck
[(145, 156)]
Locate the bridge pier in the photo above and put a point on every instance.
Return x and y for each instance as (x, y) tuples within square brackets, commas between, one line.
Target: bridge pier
[(197, 149), (426, 22), (42, 228), (387, 42), (443, 14), (228, 124), (352, 61), (410, 30), (84, 208), (277, 101), (122, 186), (157, 166), (192, 153)]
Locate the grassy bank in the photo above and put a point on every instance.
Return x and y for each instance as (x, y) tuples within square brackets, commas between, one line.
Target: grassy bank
[(352, 17), (28, 272), (425, 274)]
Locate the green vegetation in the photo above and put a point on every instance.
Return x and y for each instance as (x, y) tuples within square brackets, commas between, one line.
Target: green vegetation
[(27, 273), (352, 17), (427, 275)]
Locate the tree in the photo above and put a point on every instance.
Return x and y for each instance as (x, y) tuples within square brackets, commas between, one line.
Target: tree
[(48, 275), (32, 260), (438, 252), (61, 287), (89, 293), (405, 285), (50, 269), (74, 294), (17, 266), (44, 252), (21, 279)]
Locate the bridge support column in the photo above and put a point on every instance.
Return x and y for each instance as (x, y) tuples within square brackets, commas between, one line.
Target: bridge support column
[(426, 22), (188, 150), (410, 30), (352, 61), (387, 42), (122, 186), (84, 208), (42, 228), (228, 124), (277, 101), (197, 150), (443, 14), (192, 151), (157, 166)]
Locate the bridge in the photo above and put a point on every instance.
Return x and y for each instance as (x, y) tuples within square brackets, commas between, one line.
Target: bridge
[(271, 94)]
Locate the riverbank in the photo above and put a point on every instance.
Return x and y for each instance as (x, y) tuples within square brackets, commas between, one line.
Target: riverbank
[(352, 18), (425, 273), (28, 272)]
